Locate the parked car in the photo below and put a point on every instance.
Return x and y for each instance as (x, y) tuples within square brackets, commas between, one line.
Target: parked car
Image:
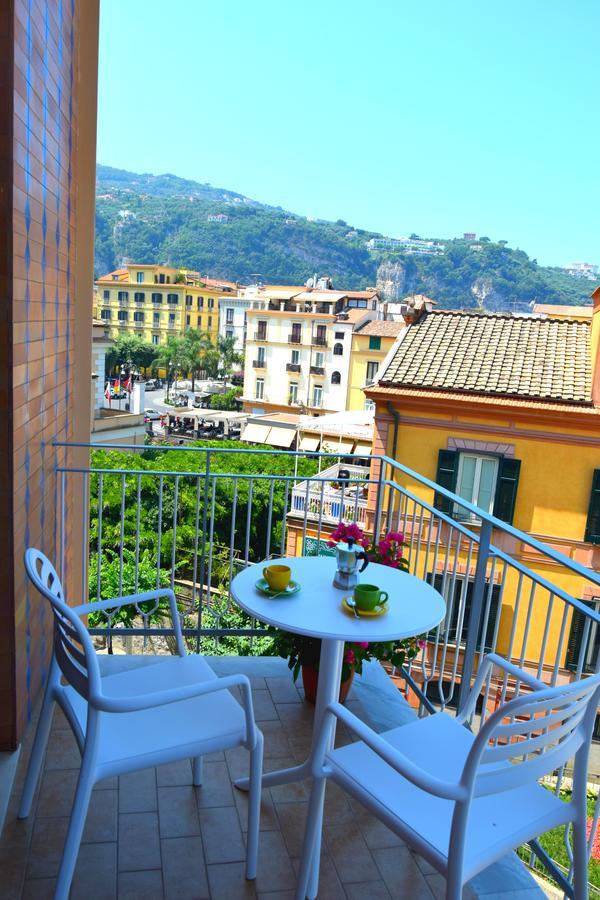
[(153, 384), (151, 415)]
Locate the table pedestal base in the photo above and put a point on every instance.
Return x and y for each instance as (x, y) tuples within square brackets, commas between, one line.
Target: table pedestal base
[(330, 676)]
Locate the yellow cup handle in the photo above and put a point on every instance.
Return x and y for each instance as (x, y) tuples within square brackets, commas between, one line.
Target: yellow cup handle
[(383, 597), (265, 572)]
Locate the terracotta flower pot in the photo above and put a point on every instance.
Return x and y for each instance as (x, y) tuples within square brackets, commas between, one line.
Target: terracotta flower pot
[(310, 681)]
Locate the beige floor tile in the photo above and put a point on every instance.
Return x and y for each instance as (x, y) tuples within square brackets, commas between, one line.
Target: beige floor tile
[(137, 792), (277, 895), (140, 886), (37, 889), (283, 690), (175, 773), (276, 740), (275, 871), (178, 811), (330, 886), (101, 820), (292, 822), (297, 718), (227, 882), (96, 872), (62, 752), (268, 818), (238, 762), (216, 787), (184, 870), (350, 854), (57, 792), (13, 863), (370, 890), (107, 784), (264, 708), (401, 874), (139, 842), (221, 835), (46, 847)]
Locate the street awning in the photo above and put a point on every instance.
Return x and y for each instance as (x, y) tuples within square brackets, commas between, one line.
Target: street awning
[(310, 443), (341, 447), (363, 449), (255, 433), (281, 437)]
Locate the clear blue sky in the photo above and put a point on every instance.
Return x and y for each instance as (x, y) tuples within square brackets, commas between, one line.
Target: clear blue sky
[(436, 117)]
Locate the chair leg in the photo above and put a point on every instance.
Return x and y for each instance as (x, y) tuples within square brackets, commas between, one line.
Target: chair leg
[(580, 859), (197, 770), (454, 885), (37, 752), (309, 848), (85, 783), (256, 765)]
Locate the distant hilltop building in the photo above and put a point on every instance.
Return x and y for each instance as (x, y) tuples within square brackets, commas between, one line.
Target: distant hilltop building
[(583, 270), (217, 217), (469, 236), (411, 246)]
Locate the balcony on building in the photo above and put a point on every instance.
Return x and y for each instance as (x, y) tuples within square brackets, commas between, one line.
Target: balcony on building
[(260, 334), (294, 338), (317, 370), (293, 367), (259, 363), (318, 341)]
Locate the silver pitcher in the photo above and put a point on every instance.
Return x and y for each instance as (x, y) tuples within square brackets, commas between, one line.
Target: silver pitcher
[(348, 555)]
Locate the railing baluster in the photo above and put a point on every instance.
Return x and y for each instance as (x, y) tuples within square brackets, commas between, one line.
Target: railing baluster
[(137, 531), (100, 520), (248, 522), (174, 541), (122, 535), (284, 521), (232, 534), (196, 539), (159, 535), (270, 519), (476, 608)]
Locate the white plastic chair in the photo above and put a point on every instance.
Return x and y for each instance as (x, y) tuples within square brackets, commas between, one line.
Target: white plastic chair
[(463, 801), (173, 709)]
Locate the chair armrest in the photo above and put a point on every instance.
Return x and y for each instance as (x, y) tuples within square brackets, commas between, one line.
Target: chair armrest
[(185, 692), (489, 661), (393, 757), (117, 602)]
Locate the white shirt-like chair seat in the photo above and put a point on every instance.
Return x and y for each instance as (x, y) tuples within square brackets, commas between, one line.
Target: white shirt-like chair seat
[(439, 746), (195, 726)]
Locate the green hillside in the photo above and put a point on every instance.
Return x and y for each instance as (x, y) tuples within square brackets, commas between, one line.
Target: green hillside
[(165, 219)]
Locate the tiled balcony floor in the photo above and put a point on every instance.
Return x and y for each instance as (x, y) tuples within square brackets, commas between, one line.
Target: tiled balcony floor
[(152, 834)]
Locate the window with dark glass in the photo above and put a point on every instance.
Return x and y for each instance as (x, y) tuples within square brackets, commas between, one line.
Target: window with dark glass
[(123, 295), (106, 295), (138, 316), (139, 295), (229, 316), (338, 350), (336, 378), (173, 299), (122, 315), (105, 313), (372, 368), (188, 299), (374, 343), (156, 318), (200, 303), (157, 298)]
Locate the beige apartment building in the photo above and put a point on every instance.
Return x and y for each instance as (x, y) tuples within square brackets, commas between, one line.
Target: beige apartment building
[(298, 347)]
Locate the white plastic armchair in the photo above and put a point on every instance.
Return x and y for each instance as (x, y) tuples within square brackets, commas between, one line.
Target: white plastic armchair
[(171, 709), (463, 801)]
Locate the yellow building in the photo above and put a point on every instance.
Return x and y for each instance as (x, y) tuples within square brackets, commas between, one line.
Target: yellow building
[(503, 410), (371, 343), (154, 302)]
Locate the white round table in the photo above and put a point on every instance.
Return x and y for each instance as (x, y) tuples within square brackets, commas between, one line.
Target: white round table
[(315, 611)]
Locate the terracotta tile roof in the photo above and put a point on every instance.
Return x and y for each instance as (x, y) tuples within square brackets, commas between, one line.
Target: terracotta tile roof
[(479, 400), (117, 275), (555, 309), (378, 328), (507, 355)]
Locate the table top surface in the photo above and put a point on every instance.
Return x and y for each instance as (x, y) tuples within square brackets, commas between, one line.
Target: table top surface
[(315, 610)]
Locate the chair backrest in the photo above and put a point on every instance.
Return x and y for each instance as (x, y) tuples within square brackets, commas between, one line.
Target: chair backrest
[(73, 649), (532, 735)]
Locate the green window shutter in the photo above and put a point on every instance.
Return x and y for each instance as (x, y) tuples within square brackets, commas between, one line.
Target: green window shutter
[(592, 528), (576, 637), (506, 489), (446, 477), (374, 343)]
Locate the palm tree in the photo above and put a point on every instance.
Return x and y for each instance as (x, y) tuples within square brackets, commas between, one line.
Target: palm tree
[(173, 356), (228, 355), (197, 346)]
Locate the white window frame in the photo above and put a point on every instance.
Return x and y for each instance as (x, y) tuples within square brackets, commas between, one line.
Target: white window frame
[(459, 511), (319, 388), (139, 277), (259, 390), (295, 357), (372, 370), (261, 355), (229, 315), (319, 359), (293, 392)]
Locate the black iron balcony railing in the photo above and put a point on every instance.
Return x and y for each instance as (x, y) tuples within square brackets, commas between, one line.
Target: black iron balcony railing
[(294, 338), (292, 367), (318, 341), (259, 363), (260, 335), (317, 370)]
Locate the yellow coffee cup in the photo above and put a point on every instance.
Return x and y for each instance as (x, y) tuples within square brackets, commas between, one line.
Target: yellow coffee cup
[(277, 577)]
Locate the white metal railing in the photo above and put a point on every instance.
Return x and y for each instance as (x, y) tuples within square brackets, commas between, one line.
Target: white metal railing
[(334, 499), (192, 517)]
